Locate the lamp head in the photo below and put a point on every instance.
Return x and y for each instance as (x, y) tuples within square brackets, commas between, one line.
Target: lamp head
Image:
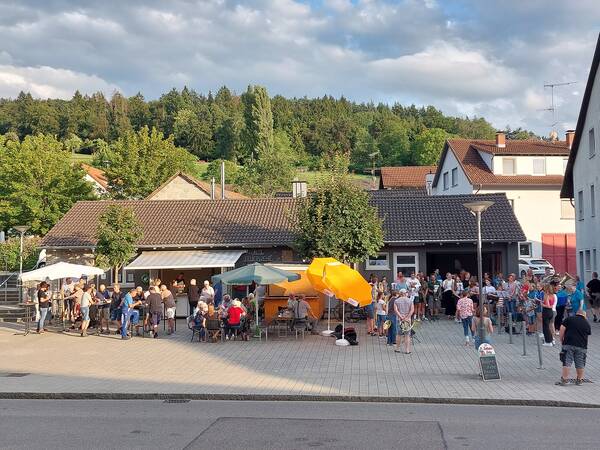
[(21, 228), (478, 206)]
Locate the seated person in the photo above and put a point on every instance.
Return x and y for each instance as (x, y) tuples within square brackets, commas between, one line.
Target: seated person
[(235, 313), (304, 313)]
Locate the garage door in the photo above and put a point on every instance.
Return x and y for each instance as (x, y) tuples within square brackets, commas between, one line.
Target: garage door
[(560, 250)]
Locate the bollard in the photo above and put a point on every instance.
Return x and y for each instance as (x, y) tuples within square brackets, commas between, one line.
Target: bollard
[(510, 325), (523, 332), (539, 348), (499, 319)]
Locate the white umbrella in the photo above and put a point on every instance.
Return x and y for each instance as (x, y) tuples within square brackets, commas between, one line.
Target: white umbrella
[(61, 270)]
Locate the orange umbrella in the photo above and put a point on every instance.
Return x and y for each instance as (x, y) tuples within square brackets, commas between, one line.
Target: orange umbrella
[(347, 284), (315, 274)]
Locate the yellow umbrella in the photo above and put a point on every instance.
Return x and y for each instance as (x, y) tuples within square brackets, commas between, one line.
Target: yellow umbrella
[(315, 274), (347, 284)]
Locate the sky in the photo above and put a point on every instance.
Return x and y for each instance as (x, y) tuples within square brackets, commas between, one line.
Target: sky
[(466, 57)]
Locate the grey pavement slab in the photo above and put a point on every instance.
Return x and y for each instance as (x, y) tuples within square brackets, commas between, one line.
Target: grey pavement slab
[(440, 367)]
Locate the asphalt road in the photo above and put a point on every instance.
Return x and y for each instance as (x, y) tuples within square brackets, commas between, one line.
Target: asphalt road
[(149, 424)]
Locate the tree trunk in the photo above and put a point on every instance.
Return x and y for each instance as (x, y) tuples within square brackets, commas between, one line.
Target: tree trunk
[(116, 275)]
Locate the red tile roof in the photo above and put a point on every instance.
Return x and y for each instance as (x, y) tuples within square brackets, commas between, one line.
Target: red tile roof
[(406, 177), (478, 173), (97, 174)]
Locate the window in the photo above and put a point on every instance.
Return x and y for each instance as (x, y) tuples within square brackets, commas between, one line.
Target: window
[(566, 210), (454, 177), (525, 249), (588, 261), (592, 201), (595, 260), (539, 166), (565, 162), (406, 263), (381, 261), (580, 205), (592, 143), (508, 166), (445, 181), (581, 266)]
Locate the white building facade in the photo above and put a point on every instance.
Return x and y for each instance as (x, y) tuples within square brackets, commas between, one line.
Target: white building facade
[(530, 173), (582, 177)]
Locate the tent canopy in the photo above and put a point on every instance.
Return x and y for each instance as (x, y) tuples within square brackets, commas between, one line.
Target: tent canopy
[(185, 259), (255, 273), (61, 270)]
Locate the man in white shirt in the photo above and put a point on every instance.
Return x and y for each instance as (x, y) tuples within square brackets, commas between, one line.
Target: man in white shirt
[(413, 289)]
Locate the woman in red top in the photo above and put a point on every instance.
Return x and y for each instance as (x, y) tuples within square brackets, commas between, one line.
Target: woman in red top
[(234, 318), (548, 314)]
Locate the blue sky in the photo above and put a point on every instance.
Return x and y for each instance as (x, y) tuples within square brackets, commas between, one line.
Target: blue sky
[(467, 57)]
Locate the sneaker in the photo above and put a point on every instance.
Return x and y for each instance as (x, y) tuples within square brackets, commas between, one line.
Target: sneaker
[(541, 335), (561, 382), (578, 382), (125, 338), (155, 335), (547, 344), (595, 319), (226, 338)]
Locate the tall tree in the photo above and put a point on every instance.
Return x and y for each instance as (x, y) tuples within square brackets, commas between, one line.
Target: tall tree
[(140, 161), (337, 220), (259, 122), (117, 235), (193, 131), (428, 145), (38, 182), (118, 116)]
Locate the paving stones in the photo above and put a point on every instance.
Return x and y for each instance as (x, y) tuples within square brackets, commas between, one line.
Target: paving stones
[(440, 367)]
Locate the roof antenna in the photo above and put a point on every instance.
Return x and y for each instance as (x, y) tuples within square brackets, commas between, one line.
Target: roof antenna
[(553, 107)]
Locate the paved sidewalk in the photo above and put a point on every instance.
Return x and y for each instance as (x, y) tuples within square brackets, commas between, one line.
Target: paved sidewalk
[(440, 367)]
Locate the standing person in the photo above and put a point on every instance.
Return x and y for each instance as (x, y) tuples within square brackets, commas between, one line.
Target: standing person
[(404, 308), (102, 300), (548, 314), (116, 298), (391, 316), (593, 289), (170, 308), (207, 295), (574, 333), (576, 299), (513, 294), (400, 282), (180, 282), (370, 308), (562, 298), (384, 286), (433, 295), (126, 306), (448, 303), (414, 286), (488, 328), (381, 312), (423, 291), (464, 313), (155, 308), (474, 291), (193, 296), (86, 302), (44, 304), (67, 289)]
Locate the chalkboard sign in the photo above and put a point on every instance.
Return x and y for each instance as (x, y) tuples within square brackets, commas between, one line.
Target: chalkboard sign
[(488, 363)]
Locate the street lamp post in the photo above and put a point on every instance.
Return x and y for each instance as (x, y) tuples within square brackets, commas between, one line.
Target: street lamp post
[(21, 229), (477, 208)]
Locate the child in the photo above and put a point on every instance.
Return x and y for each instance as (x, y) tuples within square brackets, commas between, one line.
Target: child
[(530, 313), (381, 308), (464, 312)]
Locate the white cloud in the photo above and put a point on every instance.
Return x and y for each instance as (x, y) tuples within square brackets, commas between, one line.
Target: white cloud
[(48, 82)]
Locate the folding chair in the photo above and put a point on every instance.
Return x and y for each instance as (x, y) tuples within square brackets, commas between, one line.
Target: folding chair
[(214, 329)]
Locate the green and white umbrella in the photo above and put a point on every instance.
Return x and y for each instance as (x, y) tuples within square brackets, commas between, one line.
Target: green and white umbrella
[(255, 273)]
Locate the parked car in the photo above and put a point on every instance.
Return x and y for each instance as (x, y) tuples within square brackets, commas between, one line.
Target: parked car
[(537, 265)]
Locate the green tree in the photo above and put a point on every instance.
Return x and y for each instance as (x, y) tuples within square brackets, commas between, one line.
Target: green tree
[(394, 144), (428, 145), (10, 252), (233, 172), (118, 116), (337, 220), (259, 122), (192, 131), (117, 234), (272, 171), (38, 182), (138, 112), (138, 162)]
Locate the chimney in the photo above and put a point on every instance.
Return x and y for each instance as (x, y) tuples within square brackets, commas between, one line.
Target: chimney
[(570, 138), (500, 139), (429, 182), (298, 189)]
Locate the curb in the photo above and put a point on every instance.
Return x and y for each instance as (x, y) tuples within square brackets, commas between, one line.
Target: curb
[(290, 398)]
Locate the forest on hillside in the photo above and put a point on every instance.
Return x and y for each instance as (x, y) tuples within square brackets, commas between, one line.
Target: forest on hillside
[(219, 126)]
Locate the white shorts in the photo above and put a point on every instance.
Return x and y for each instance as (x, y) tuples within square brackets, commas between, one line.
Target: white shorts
[(171, 313)]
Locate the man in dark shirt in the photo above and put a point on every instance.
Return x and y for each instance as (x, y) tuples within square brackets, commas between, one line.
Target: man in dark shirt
[(574, 333), (593, 288), (44, 304), (155, 306), (115, 307), (102, 297)]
